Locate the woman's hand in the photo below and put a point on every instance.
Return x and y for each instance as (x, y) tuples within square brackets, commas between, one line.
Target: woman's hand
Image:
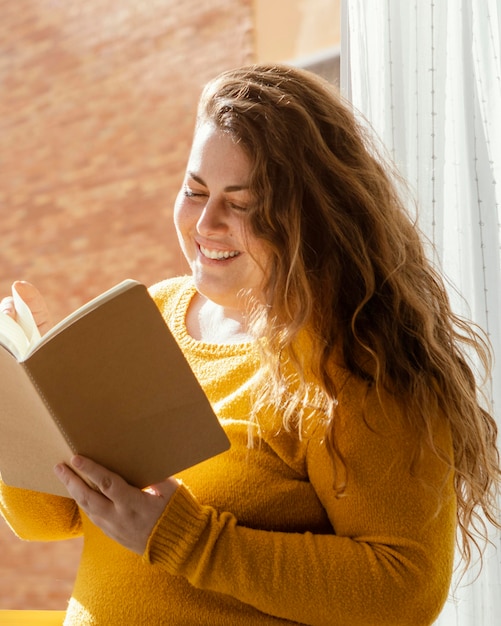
[(124, 513), (35, 302)]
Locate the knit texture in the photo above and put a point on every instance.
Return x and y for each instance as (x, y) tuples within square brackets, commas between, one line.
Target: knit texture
[(257, 535)]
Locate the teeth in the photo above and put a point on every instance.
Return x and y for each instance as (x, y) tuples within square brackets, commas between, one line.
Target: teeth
[(218, 255)]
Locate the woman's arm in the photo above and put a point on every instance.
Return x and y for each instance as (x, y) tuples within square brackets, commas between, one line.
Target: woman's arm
[(389, 562), (37, 516)]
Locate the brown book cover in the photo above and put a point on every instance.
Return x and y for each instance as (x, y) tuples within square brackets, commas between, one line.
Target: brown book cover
[(110, 383)]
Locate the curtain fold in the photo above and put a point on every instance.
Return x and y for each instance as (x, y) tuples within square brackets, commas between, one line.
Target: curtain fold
[(426, 75)]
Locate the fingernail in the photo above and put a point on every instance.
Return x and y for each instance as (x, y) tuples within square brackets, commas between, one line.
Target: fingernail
[(59, 469), (76, 461)]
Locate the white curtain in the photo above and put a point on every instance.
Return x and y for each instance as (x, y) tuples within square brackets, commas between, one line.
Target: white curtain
[(426, 74)]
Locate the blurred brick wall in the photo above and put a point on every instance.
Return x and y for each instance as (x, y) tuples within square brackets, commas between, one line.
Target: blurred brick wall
[(97, 104)]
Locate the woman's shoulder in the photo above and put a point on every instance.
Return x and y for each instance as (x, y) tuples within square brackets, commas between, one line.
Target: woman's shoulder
[(172, 296)]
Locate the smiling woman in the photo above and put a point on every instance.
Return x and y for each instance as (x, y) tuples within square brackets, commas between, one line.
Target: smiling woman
[(327, 347)]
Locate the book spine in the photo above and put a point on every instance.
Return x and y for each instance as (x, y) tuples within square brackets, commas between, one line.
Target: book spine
[(56, 420)]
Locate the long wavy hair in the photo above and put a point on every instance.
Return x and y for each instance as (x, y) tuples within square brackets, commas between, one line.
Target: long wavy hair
[(348, 264)]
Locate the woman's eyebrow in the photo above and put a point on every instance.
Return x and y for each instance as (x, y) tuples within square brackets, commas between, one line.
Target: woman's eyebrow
[(196, 178), (229, 188)]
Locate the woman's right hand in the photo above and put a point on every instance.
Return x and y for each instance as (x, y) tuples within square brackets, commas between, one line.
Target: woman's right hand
[(35, 302)]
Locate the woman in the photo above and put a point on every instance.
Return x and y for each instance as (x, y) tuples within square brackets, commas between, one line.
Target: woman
[(326, 344)]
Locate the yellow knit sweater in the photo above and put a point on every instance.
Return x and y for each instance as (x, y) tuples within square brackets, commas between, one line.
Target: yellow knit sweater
[(256, 536)]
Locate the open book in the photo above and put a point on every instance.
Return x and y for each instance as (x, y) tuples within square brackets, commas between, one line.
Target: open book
[(108, 382)]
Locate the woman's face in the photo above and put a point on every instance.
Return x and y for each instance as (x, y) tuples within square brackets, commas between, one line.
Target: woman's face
[(210, 216)]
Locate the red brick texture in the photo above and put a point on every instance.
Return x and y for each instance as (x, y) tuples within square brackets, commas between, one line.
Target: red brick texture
[(97, 104)]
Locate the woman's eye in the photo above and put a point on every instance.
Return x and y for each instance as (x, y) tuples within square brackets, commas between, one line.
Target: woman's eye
[(237, 207), (189, 193)]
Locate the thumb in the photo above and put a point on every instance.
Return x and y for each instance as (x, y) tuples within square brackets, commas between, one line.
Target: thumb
[(36, 303)]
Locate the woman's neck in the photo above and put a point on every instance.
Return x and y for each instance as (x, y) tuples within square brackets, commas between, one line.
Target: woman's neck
[(212, 323)]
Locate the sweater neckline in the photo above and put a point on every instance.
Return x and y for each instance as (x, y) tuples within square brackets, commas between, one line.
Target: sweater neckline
[(194, 345)]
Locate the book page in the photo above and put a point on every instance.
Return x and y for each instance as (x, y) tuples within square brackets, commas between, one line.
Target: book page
[(18, 335), (25, 319), (12, 336)]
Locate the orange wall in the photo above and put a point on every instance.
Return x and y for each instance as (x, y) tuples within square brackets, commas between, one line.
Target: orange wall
[(96, 113)]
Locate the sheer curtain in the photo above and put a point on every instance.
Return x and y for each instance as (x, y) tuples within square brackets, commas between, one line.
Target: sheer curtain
[(426, 74)]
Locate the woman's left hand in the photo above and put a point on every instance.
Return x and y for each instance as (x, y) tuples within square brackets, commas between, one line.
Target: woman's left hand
[(124, 513)]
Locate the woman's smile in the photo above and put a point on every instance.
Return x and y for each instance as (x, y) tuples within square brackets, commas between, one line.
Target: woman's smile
[(218, 255)]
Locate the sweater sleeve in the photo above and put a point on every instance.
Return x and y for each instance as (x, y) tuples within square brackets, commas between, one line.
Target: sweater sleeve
[(388, 560), (37, 516)]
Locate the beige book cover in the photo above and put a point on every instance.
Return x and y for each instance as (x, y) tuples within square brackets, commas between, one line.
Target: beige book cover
[(110, 383)]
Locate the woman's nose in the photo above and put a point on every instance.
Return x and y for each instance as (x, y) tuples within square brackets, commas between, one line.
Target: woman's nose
[(212, 218)]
